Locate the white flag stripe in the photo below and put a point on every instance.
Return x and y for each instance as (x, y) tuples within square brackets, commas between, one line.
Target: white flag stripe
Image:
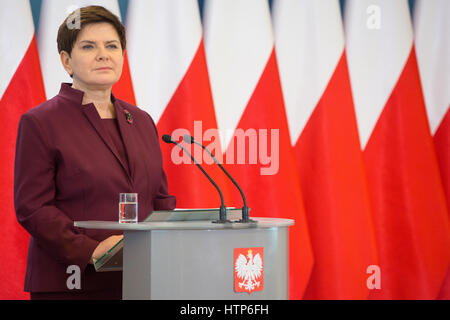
[(53, 13), (16, 15), (238, 44), (432, 42), (309, 41), (160, 51), (379, 39)]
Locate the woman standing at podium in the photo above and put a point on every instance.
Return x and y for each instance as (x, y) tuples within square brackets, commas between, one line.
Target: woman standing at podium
[(74, 154)]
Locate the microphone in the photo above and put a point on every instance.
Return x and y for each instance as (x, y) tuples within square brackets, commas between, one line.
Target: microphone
[(222, 211), (245, 210)]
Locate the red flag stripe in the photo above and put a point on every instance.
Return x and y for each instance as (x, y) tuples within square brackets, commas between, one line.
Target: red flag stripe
[(25, 90), (192, 104), (335, 192), (123, 89), (410, 214), (278, 194), (442, 142)]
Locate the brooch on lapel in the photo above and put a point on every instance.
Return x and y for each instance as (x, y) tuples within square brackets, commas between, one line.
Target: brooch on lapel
[(128, 116)]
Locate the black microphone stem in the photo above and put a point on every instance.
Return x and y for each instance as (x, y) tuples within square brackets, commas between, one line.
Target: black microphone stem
[(223, 210), (245, 209)]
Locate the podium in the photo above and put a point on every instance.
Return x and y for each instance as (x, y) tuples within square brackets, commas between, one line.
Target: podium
[(193, 260)]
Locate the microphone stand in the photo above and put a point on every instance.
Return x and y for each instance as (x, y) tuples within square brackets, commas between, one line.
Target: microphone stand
[(222, 211), (245, 209)]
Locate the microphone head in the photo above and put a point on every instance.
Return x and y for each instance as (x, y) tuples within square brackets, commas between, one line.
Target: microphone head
[(188, 138), (167, 139)]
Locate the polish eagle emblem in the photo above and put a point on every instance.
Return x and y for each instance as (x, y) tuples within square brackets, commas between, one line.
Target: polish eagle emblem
[(249, 270)]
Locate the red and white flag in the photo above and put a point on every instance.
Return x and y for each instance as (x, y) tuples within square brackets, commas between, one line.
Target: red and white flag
[(409, 207), (53, 13), (252, 120), (168, 67), (309, 40), (21, 88), (431, 31)]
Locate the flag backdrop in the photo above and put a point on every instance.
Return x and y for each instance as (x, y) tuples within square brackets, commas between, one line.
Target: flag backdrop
[(21, 88), (172, 85), (433, 57), (247, 97), (342, 129), (409, 207), (314, 76)]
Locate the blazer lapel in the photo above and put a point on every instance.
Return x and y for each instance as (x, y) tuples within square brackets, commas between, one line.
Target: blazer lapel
[(94, 118)]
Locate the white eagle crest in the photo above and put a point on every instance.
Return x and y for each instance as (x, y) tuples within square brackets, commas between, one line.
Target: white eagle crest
[(249, 270)]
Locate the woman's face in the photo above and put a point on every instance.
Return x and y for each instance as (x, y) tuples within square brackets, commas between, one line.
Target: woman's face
[(97, 58)]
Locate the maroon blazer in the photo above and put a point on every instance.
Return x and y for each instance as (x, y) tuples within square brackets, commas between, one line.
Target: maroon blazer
[(67, 169)]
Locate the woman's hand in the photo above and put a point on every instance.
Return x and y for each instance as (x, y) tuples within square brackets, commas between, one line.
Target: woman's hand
[(104, 246)]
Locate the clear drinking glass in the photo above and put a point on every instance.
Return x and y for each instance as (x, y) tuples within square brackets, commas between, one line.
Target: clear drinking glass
[(128, 208)]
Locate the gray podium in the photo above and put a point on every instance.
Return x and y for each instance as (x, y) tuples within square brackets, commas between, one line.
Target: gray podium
[(195, 259)]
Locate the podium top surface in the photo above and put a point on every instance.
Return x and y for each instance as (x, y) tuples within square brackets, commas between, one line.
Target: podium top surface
[(184, 225)]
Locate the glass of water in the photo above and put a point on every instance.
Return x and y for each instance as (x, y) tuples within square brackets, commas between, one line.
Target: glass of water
[(128, 208)]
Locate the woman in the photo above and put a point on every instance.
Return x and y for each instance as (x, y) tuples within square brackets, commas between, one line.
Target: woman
[(74, 154)]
